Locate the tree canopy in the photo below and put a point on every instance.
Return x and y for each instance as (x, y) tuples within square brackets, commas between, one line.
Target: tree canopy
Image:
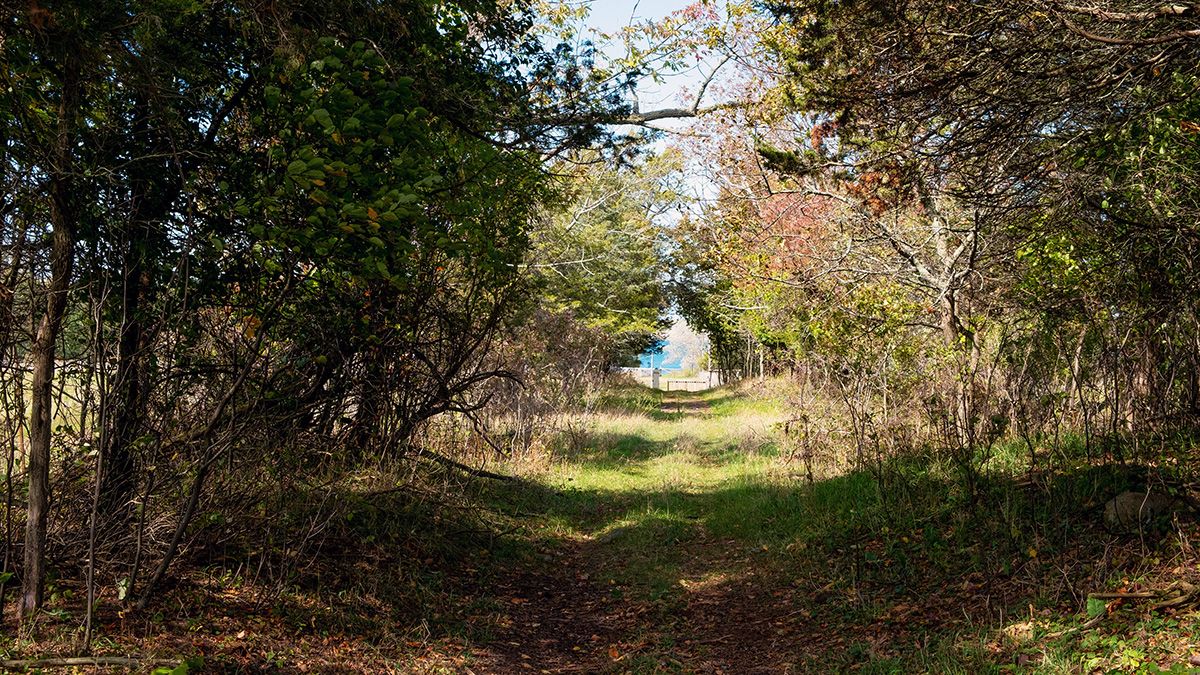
[(251, 248)]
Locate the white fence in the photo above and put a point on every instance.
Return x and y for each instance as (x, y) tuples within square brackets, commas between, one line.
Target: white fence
[(658, 378)]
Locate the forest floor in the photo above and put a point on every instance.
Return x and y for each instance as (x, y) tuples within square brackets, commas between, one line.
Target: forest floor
[(676, 533)]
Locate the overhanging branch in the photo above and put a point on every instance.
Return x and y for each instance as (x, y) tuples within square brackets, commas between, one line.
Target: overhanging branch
[(1163, 12), (644, 118)]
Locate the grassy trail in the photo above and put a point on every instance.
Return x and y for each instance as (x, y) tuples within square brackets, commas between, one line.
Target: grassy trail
[(655, 543), (672, 534)]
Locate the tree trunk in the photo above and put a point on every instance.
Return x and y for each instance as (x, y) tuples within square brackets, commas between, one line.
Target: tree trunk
[(117, 465), (963, 340), (153, 191), (366, 427), (42, 352)]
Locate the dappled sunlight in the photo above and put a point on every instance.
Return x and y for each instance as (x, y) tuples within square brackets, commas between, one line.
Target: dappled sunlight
[(694, 452), (625, 337), (684, 471), (708, 581)]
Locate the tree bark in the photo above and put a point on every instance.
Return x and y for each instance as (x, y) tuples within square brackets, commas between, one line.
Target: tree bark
[(117, 465), (153, 191), (43, 349)]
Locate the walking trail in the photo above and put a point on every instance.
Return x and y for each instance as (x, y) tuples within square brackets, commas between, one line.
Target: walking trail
[(657, 549)]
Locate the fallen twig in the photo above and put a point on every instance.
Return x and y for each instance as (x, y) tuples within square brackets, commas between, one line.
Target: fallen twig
[(1178, 593), (96, 661), (1088, 625), (469, 470)]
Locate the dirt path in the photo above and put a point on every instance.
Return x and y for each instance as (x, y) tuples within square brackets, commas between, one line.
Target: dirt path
[(563, 622), (722, 613), (557, 621), (690, 407), (676, 538)]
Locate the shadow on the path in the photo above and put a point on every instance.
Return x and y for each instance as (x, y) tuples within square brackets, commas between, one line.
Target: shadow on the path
[(759, 575)]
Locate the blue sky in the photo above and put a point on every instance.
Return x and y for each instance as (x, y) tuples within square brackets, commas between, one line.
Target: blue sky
[(610, 15)]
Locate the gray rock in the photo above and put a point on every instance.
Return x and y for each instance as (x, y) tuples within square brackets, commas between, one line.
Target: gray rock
[(1130, 512), (614, 534)]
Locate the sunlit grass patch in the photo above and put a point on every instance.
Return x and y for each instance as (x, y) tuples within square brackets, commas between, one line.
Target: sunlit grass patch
[(678, 494), (627, 398)]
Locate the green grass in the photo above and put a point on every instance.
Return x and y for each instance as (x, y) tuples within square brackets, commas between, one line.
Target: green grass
[(628, 399), (653, 474), (662, 475), (663, 497)]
